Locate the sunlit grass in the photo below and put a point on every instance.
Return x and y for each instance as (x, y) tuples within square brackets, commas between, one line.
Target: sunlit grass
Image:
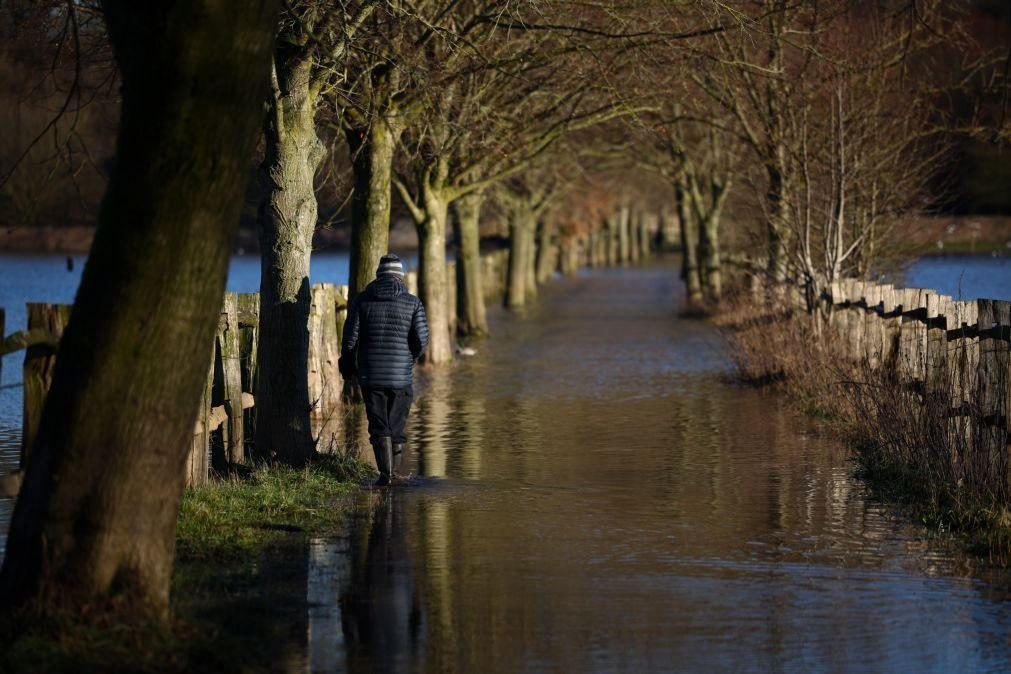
[(232, 518)]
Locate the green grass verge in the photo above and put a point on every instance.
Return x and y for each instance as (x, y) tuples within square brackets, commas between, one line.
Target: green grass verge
[(224, 603), (233, 518)]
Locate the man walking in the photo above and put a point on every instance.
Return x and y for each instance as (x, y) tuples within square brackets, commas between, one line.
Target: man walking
[(385, 333)]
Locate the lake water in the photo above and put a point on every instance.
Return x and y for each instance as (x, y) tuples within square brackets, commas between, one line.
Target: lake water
[(966, 277)]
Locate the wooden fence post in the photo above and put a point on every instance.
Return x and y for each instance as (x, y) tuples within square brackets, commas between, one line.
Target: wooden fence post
[(40, 360), (231, 369), (249, 326), (324, 350), (872, 325), (891, 326), (992, 383), (198, 463), (3, 323), (855, 320), (935, 360)]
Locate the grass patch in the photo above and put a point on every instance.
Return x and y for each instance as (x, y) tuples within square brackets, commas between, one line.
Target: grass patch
[(231, 519), (240, 558)]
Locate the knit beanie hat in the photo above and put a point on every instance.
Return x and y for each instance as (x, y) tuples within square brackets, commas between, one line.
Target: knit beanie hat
[(390, 264)]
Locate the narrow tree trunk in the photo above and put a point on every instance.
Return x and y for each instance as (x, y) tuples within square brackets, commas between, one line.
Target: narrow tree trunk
[(645, 241), (531, 262), (634, 247), (778, 208), (623, 243), (520, 223), (709, 254), (286, 224), (471, 315), (547, 258), (689, 250), (97, 512), (432, 276), (372, 149), (611, 228)]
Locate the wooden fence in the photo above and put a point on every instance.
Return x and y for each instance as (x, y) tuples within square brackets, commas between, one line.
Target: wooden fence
[(224, 426), (223, 430), (940, 347)]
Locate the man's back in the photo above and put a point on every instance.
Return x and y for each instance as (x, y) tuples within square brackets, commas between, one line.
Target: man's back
[(387, 329)]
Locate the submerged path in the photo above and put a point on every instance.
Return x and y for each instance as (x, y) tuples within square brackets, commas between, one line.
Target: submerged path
[(596, 497)]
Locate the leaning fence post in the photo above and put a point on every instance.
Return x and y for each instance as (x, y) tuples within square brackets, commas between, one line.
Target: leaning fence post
[(40, 360)]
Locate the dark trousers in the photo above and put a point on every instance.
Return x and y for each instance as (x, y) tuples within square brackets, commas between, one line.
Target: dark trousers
[(387, 410)]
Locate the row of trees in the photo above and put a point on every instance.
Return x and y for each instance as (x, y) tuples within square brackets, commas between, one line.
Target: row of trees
[(811, 123)]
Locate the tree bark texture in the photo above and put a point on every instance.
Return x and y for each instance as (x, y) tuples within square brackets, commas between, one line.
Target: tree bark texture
[(547, 255), (471, 313), (623, 238), (286, 224), (521, 225), (778, 209), (689, 249), (432, 275), (97, 512), (634, 247), (371, 162)]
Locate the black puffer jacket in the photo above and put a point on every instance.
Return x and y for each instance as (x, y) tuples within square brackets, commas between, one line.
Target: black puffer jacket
[(386, 331)]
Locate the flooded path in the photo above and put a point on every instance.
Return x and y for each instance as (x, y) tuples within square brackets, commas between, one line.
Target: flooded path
[(595, 497)]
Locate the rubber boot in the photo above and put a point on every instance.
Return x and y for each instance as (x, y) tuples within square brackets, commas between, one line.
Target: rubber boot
[(383, 448), (398, 457)]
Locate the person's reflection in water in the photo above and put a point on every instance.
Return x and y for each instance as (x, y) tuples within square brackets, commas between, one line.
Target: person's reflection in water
[(380, 614)]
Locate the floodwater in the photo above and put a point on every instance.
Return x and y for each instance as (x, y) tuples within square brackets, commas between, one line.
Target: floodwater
[(591, 494)]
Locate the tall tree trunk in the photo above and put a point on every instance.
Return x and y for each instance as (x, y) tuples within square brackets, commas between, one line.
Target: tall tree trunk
[(776, 224), (689, 249), (547, 252), (471, 315), (286, 224), (432, 275), (709, 254), (623, 242), (634, 248), (521, 221), (97, 512), (611, 230), (531, 261), (372, 149), (645, 242)]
